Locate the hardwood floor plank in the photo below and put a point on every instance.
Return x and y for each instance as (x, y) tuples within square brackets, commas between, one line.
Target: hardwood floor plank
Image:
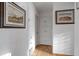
[(45, 50)]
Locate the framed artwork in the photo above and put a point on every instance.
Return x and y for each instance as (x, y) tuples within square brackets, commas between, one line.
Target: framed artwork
[(65, 16), (12, 15)]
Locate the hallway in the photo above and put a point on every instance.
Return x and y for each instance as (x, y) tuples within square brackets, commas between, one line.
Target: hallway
[(48, 29)]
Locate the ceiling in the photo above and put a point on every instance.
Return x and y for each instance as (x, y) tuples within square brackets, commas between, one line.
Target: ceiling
[(43, 6)]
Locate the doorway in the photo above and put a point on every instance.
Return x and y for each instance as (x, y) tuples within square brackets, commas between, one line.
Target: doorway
[(43, 26)]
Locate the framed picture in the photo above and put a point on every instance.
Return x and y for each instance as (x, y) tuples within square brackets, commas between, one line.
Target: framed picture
[(65, 16), (12, 15)]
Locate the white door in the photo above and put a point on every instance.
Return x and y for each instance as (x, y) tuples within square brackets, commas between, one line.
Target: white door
[(46, 28)]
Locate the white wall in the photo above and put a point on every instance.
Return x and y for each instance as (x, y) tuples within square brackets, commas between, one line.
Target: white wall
[(14, 41), (31, 27), (19, 38), (63, 34), (46, 27), (76, 41), (17, 41), (4, 41), (31, 12)]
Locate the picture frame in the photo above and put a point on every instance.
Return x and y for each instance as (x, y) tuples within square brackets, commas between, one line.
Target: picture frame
[(12, 15), (65, 16)]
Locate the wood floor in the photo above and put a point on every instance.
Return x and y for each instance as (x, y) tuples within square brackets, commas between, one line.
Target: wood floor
[(45, 50)]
